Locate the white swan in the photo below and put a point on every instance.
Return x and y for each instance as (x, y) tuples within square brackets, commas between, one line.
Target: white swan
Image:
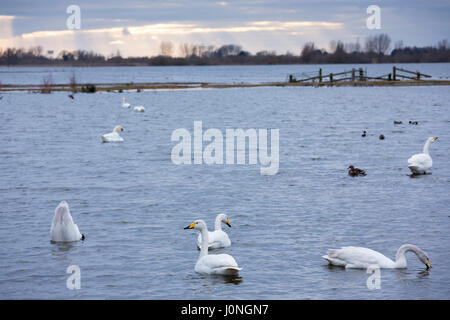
[(420, 163), (217, 238), (362, 258), (113, 136), (222, 264), (139, 109), (125, 104), (63, 228)]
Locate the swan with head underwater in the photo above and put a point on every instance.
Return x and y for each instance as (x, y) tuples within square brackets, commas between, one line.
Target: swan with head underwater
[(217, 238), (113, 136), (214, 264), (63, 228), (421, 163), (362, 258)]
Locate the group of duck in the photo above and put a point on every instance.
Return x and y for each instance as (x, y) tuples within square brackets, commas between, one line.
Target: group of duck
[(114, 136), (420, 163)]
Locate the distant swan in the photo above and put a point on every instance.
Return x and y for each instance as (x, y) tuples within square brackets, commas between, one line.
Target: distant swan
[(63, 228), (420, 163), (125, 104), (362, 258), (220, 264), (217, 238), (113, 136), (139, 109)]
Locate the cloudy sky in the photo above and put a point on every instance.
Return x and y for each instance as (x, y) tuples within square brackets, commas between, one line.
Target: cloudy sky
[(136, 28)]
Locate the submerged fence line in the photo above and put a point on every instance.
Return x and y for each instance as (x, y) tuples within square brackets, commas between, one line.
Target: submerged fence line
[(359, 75)]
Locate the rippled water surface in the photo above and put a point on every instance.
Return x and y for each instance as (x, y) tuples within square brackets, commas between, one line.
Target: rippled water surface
[(132, 202)]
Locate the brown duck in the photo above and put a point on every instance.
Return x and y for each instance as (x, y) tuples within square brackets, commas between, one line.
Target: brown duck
[(354, 172)]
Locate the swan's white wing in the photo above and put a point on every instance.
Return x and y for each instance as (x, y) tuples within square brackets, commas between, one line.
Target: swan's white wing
[(420, 161), (217, 264), (112, 137), (63, 228), (216, 239), (358, 257)]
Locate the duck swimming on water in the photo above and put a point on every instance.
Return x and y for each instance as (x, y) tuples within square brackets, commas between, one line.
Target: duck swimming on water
[(354, 172)]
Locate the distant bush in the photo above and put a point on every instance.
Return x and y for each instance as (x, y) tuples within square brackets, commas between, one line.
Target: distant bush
[(89, 88), (47, 84), (73, 83)]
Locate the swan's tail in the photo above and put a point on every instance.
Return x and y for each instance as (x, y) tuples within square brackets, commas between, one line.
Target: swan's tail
[(229, 271), (334, 261), (332, 253), (414, 168)]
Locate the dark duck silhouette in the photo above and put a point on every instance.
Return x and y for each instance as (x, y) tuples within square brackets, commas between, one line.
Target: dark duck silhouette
[(71, 96), (397, 122), (354, 172), (381, 137), (363, 134)]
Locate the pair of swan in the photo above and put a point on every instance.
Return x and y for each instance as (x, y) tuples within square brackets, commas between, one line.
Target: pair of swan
[(214, 264), (217, 238), (63, 228), (421, 163), (128, 105), (113, 136), (362, 258)]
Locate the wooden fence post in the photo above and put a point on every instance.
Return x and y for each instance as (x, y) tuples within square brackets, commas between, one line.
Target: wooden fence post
[(394, 74), (361, 74), (353, 74), (331, 77), (320, 75)]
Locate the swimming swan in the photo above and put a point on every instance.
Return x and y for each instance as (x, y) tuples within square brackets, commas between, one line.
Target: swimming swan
[(139, 109), (125, 104), (362, 258), (113, 136), (63, 228), (420, 163), (217, 238), (220, 264)]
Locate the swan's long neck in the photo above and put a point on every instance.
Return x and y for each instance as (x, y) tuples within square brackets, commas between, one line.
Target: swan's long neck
[(218, 224), (426, 147), (205, 241), (400, 258)]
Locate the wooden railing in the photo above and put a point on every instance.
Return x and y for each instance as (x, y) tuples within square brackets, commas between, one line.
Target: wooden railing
[(359, 75)]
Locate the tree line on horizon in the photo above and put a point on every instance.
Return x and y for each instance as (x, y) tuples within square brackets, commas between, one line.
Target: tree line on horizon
[(375, 49)]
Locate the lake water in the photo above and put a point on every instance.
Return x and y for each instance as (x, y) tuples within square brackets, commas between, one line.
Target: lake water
[(132, 202)]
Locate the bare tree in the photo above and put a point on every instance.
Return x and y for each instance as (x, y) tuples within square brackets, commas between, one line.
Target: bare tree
[(443, 45), (73, 82), (47, 84), (185, 50), (399, 45), (166, 48), (378, 44)]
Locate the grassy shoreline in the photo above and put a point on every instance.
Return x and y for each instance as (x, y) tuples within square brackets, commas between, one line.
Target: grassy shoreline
[(120, 87)]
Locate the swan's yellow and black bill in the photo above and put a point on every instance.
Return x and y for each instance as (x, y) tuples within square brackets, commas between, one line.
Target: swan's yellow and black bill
[(228, 223), (191, 226), (435, 138), (428, 264)]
